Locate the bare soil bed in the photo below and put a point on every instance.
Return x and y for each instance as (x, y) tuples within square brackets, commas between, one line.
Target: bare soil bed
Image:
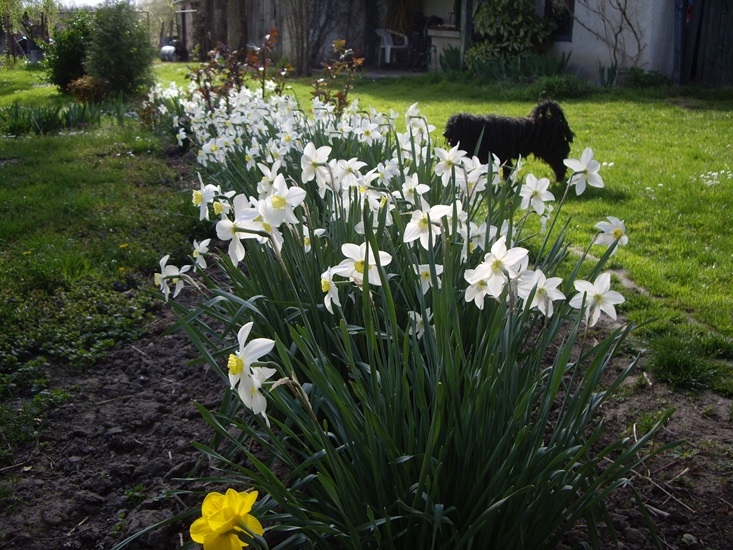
[(104, 459)]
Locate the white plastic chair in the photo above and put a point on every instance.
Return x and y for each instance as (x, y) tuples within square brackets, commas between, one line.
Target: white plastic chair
[(387, 44)]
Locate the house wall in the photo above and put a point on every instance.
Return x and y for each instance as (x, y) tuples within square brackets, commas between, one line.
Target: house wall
[(654, 20)]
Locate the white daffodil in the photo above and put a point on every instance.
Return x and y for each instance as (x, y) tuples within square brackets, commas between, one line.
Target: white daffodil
[(313, 163), (265, 227), (448, 160), (478, 237), (412, 189), (423, 223), (203, 197), (545, 217), (231, 230), (477, 289), (417, 322), (546, 290), (413, 118), (281, 202), (264, 186), (367, 132), (249, 390), (347, 172), (329, 288), (386, 172), (611, 231), (597, 297), (360, 262), (199, 249), (245, 377), (535, 193), (307, 241), (496, 172), (476, 176), (426, 278), (168, 275), (499, 265), (585, 171)]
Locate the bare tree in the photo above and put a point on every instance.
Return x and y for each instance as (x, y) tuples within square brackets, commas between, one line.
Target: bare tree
[(619, 30), (310, 24)]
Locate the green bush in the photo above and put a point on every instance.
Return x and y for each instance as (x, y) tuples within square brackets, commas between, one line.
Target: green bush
[(507, 27), (450, 60), (523, 68), (18, 120), (120, 52), (65, 58), (88, 89), (560, 87), (634, 77)]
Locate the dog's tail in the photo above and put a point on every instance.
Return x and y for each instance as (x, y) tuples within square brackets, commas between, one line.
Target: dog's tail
[(552, 114)]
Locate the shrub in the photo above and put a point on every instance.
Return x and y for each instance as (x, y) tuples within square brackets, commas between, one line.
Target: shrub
[(66, 57), (88, 89), (371, 314), (508, 28), (523, 68), (120, 52), (450, 60), (560, 87), (634, 77), (17, 120)]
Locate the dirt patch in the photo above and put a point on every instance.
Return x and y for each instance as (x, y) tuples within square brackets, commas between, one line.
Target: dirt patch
[(687, 489), (105, 458)]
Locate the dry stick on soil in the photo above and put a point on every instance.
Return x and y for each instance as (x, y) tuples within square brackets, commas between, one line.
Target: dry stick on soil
[(650, 480)]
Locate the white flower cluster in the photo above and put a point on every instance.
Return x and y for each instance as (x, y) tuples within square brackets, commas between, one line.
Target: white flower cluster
[(288, 162)]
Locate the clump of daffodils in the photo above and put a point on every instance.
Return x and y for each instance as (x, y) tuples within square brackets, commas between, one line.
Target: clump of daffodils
[(421, 199), (382, 304)]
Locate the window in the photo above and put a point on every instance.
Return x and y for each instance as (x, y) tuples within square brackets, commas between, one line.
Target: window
[(561, 11)]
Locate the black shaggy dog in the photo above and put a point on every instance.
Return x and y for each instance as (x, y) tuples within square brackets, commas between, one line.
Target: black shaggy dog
[(545, 133)]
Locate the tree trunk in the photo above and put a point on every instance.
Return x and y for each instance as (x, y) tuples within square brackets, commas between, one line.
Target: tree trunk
[(296, 44), (236, 24)]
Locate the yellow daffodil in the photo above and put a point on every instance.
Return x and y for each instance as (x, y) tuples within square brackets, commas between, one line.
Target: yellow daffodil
[(225, 522)]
